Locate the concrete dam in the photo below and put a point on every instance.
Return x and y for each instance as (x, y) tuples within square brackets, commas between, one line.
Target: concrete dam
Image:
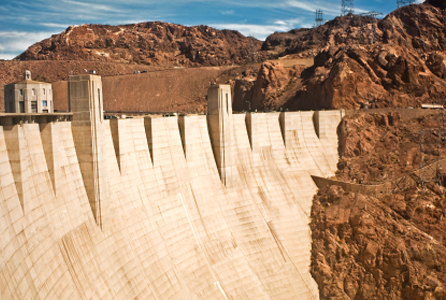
[(209, 206)]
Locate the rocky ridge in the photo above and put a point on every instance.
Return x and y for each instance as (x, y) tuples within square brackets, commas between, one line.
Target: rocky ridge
[(150, 43), (404, 66)]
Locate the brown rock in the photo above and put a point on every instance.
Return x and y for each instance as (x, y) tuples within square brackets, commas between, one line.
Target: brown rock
[(152, 43)]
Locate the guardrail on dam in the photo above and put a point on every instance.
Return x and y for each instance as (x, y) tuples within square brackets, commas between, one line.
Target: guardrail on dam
[(190, 207)]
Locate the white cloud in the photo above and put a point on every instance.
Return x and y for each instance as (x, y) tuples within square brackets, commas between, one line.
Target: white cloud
[(328, 8), (227, 12), (7, 56), (260, 32), (92, 7), (55, 25), (12, 43), (291, 23)]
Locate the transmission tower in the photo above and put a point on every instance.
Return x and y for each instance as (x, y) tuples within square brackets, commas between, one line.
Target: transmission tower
[(319, 17), (347, 7), (400, 3), (374, 34)]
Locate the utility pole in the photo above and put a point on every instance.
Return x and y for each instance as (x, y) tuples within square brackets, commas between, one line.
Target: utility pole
[(347, 7)]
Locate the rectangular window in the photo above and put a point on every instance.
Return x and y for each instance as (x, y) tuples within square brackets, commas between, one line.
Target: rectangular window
[(34, 92), (44, 91), (21, 92), (45, 104), (21, 106), (33, 106)]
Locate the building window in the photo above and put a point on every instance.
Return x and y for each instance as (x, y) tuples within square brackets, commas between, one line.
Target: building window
[(44, 91), (34, 92), (21, 106), (33, 106), (21, 92), (44, 103)]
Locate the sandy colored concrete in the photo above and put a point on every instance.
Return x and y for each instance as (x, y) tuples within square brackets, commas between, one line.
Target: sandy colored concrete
[(169, 228)]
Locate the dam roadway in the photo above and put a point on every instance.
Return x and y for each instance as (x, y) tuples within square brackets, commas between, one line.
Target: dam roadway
[(165, 226)]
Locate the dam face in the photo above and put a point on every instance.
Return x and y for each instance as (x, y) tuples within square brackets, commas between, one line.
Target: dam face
[(139, 209)]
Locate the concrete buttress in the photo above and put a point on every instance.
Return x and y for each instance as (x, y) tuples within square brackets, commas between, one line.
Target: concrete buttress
[(85, 100)]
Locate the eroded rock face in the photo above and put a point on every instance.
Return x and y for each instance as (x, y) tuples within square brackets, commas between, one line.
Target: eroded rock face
[(268, 89), (436, 62), (271, 79), (401, 63), (363, 249), (388, 248), (378, 76), (341, 30), (155, 43)]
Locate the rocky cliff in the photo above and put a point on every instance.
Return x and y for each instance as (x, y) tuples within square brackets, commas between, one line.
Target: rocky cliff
[(153, 43), (388, 248), (399, 61)]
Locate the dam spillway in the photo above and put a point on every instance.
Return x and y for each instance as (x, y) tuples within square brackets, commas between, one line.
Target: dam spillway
[(156, 220)]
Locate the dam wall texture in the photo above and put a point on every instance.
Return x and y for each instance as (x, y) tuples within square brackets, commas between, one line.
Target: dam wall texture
[(139, 209)]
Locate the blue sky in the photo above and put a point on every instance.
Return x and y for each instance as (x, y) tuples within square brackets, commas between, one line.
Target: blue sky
[(24, 22)]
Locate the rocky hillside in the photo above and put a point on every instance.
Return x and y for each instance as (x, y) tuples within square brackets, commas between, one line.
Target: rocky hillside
[(388, 248), (152, 43), (414, 26), (404, 66), (341, 30)]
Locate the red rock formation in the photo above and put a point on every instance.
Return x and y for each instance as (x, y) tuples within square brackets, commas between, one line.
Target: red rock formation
[(405, 66), (154, 43), (391, 248)]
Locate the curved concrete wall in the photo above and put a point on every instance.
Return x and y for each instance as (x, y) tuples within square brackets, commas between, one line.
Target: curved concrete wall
[(165, 227)]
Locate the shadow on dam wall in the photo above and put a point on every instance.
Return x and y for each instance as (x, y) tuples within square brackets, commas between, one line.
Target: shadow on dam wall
[(163, 225)]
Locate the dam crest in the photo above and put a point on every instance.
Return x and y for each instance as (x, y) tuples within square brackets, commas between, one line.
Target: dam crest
[(209, 206)]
